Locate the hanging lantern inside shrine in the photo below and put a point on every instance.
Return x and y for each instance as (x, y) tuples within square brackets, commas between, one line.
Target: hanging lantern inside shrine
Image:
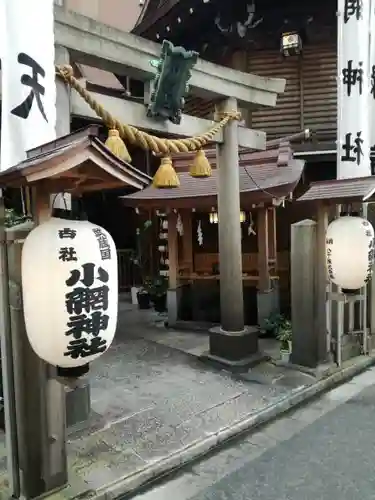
[(350, 252), (214, 217), (70, 291)]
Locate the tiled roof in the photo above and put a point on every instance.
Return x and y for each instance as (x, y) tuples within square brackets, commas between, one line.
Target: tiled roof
[(263, 175), (355, 189), (70, 144)]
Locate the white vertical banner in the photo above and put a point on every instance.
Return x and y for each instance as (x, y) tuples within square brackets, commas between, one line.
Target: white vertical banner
[(28, 78), (353, 124), (372, 86), (2, 27)]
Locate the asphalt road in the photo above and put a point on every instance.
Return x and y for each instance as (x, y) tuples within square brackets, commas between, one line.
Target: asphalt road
[(325, 450)]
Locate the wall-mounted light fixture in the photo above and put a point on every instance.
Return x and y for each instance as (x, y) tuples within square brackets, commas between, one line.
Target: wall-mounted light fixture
[(291, 44)]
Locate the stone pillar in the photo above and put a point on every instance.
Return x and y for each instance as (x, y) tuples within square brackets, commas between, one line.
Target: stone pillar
[(302, 260), (231, 343), (230, 245), (308, 293)]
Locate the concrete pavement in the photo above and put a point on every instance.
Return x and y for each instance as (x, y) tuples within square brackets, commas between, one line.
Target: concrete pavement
[(325, 450), (155, 406)]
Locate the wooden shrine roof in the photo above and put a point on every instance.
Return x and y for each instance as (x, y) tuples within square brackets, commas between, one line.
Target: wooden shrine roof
[(357, 189), (264, 175), (78, 163)]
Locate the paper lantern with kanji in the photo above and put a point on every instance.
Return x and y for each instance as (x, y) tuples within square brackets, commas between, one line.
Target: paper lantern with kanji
[(70, 291), (350, 252)]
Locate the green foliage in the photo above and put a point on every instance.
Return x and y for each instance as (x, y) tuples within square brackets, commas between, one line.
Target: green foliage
[(158, 286), (170, 84), (284, 333), (273, 323)]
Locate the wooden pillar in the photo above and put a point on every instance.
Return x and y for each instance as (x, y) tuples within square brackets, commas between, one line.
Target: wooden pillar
[(172, 296), (40, 397), (187, 240), (272, 239), (172, 250), (264, 284)]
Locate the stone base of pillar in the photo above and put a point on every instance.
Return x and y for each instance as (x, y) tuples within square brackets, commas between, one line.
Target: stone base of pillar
[(236, 351), (268, 303), (78, 403)]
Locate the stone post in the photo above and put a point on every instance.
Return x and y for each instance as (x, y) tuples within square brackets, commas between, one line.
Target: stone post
[(309, 332), (232, 343), (302, 260)]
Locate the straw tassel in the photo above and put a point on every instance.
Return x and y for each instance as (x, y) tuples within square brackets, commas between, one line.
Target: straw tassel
[(201, 166), (117, 146), (166, 176)]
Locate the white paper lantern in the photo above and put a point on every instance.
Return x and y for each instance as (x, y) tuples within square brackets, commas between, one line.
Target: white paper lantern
[(350, 252), (70, 291)]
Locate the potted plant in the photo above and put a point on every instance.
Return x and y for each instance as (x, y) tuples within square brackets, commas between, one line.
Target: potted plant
[(143, 297), (284, 335), (272, 325), (158, 293)]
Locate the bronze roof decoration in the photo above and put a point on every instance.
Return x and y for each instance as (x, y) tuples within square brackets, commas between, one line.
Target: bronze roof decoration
[(170, 83)]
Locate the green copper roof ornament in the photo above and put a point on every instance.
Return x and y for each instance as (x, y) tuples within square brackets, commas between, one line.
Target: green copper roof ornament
[(155, 63), (170, 84)]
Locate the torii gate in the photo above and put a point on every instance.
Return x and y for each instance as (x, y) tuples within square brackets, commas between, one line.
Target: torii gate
[(88, 42), (92, 43)]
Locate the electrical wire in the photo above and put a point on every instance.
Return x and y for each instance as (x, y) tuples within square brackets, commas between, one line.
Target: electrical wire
[(257, 185)]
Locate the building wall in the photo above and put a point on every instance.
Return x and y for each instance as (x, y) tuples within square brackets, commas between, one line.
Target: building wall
[(309, 100), (310, 97), (121, 14)]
